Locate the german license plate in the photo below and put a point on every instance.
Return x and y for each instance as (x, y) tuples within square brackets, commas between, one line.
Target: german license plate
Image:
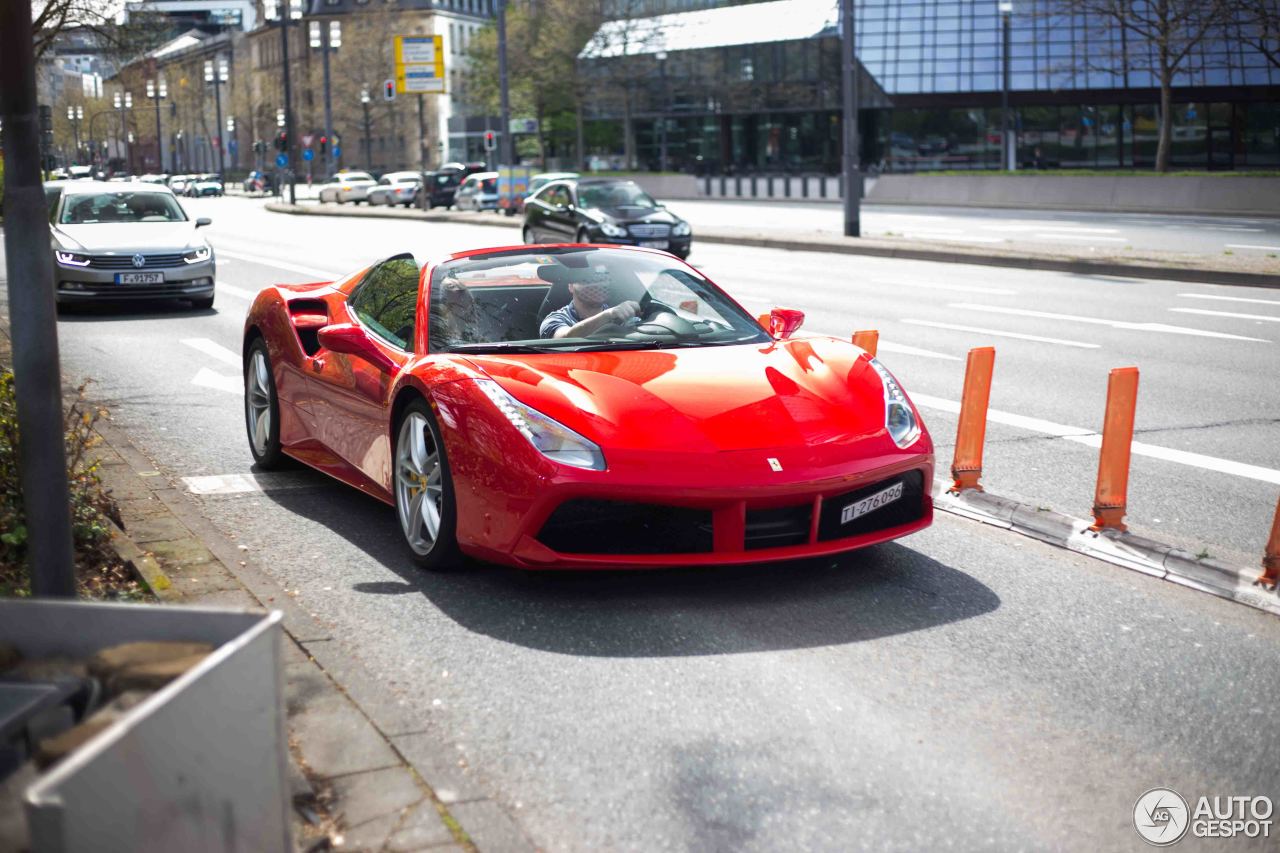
[(139, 278), (871, 503), (653, 244)]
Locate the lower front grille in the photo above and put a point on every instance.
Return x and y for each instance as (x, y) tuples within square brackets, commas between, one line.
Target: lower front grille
[(590, 526), (908, 508), (777, 528)]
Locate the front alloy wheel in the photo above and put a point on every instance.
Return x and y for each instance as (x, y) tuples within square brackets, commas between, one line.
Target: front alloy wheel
[(261, 408), (424, 490)]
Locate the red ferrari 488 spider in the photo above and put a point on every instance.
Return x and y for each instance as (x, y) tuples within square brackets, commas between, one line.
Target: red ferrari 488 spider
[(583, 407)]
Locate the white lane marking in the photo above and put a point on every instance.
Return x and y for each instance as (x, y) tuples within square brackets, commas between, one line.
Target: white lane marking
[(1251, 246), (955, 237), (1046, 226), (958, 288), (320, 275), (1227, 228), (1089, 438), (206, 378), (1097, 321), (1088, 238), (1238, 316), (214, 350), (903, 349), (239, 292), (238, 484), (1000, 334), (1230, 298)]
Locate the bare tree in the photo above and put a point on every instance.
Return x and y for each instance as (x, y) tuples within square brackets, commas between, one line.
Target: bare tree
[(120, 42), (1259, 26), (1160, 36)]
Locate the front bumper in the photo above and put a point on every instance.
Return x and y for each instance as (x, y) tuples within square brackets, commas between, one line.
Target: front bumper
[(675, 245), (86, 284)]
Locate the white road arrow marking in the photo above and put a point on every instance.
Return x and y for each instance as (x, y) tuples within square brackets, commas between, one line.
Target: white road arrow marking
[(215, 351), (208, 379)]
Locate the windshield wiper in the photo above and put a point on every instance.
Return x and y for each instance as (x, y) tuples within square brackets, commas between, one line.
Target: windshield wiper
[(500, 346)]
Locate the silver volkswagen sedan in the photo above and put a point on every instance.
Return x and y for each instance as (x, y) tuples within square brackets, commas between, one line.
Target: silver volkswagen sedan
[(128, 241)]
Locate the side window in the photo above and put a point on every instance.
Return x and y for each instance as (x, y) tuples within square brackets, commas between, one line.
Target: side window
[(387, 300)]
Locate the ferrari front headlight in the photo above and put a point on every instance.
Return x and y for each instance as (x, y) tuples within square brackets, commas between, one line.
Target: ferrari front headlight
[(552, 439), (899, 419)]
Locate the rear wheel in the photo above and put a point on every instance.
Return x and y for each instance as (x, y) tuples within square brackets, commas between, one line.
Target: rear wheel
[(583, 237), (261, 407), (528, 235), (424, 490)]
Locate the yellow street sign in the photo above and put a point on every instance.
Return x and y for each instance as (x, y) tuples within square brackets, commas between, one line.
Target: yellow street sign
[(419, 65)]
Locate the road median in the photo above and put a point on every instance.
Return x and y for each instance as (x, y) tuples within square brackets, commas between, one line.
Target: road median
[(1231, 270)]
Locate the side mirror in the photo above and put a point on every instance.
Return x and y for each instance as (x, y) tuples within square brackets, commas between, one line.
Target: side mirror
[(203, 221), (352, 340), (785, 322)]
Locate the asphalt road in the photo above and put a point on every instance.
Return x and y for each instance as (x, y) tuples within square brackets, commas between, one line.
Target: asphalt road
[(1063, 231), (964, 688)]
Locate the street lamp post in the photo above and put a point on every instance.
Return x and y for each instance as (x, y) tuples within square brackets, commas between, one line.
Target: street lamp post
[(282, 19), (215, 72), (122, 105), (852, 172), (75, 115), (158, 91), (327, 39), (505, 150), (368, 150), (1008, 151), (231, 131), (282, 122), (661, 56)]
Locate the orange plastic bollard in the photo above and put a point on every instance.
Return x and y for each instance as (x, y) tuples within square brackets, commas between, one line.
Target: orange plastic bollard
[(1112, 493), (868, 339), (1271, 558), (971, 433)]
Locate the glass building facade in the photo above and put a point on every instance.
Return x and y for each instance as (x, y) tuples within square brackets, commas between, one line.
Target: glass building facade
[(1082, 94)]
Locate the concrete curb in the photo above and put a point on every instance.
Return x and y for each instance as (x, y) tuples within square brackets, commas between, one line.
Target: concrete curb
[(1128, 550), (880, 248)]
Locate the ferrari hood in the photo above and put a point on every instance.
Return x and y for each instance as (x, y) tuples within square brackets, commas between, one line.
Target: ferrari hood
[(128, 236), (789, 394)]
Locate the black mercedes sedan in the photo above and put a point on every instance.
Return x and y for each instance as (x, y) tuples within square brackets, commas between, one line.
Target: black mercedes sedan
[(603, 210)]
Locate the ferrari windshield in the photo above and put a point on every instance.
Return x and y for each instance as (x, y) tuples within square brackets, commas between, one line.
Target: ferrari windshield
[(576, 299), (125, 206)]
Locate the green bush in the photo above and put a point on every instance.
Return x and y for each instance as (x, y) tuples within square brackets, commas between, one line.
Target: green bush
[(98, 572)]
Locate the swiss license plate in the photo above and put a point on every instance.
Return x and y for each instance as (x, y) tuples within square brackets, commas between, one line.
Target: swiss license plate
[(139, 278), (871, 503), (653, 244)]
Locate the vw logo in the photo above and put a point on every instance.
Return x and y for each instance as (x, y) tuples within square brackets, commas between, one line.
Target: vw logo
[(139, 261)]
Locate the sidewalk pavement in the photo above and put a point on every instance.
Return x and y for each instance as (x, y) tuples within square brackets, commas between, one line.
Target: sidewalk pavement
[(365, 775), (1235, 269)]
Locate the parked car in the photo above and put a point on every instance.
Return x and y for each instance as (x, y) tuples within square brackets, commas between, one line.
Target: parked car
[(347, 186), (258, 182), (130, 241), (603, 210), (178, 183), (478, 192), (536, 183), (204, 185), (443, 183), (396, 188), (434, 389)]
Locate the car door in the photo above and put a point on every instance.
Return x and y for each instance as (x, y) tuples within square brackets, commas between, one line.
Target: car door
[(349, 392), (558, 223)]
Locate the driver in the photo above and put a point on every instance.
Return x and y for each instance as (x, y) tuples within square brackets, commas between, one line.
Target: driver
[(587, 312)]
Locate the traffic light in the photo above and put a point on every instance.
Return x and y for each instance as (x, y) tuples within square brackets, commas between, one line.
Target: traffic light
[(389, 90), (324, 143), (282, 141), (490, 140)]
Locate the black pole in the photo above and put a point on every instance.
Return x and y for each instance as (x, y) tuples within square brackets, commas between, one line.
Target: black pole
[(42, 461), (368, 143), (852, 174), (504, 132), (1005, 145), (159, 134), (288, 102), (328, 101), (217, 105)]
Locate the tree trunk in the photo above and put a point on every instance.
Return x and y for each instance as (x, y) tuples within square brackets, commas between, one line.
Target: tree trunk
[(581, 150), (628, 134), (1166, 121)]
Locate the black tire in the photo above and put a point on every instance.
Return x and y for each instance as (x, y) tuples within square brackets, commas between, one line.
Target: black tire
[(527, 235), (270, 455), (443, 553), (202, 304), (583, 236)]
